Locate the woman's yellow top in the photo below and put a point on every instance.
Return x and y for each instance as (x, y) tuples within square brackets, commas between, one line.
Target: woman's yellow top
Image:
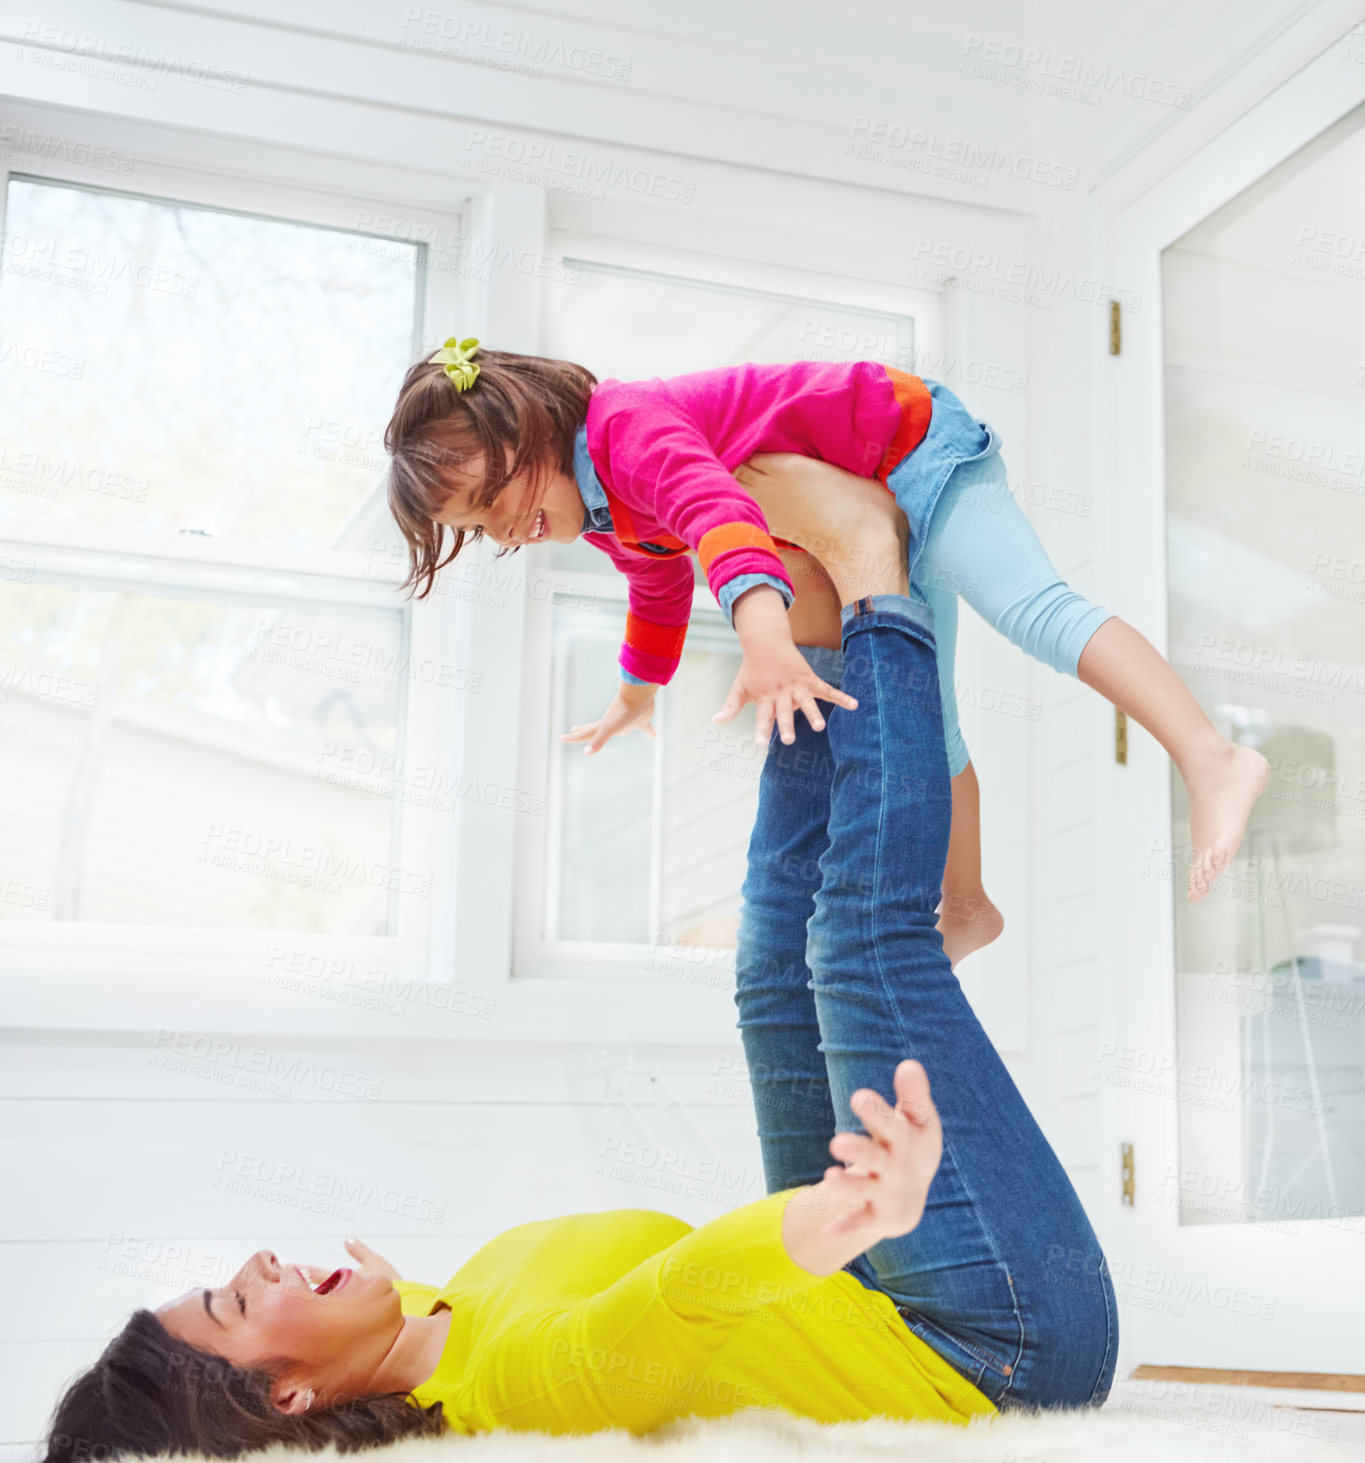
[(630, 1318)]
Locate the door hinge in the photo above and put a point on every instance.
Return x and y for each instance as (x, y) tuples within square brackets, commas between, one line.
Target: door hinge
[(1126, 1172), (1115, 329), (1120, 738)]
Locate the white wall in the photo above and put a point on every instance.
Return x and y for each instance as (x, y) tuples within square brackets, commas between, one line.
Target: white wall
[(761, 121), (137, 1170)]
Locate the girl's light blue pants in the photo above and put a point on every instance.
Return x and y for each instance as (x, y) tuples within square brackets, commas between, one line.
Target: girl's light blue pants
[(981, 547)]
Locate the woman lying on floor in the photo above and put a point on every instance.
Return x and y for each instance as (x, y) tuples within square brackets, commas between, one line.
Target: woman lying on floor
[(850, 1292)]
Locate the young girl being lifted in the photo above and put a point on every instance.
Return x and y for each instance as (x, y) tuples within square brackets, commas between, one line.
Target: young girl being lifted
[(758, 470)]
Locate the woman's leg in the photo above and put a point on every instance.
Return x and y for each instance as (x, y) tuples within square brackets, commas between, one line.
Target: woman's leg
[(777, 1018), (1004, 1275), (772, 984), (967, 918), (793, 492), (980, 541)]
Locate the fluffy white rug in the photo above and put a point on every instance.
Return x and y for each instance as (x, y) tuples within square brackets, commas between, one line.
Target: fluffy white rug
[(1142, 1422)]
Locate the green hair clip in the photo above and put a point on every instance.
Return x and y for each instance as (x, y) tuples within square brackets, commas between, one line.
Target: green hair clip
[(457, 356)]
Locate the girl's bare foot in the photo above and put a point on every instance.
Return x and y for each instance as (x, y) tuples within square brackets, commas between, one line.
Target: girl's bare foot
[(851, 524), (967, 923), (1223, 779), (1223, 786)]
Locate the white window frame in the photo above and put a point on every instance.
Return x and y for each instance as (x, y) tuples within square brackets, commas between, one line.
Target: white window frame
[(745, 240), (534, 956), (102, 975)]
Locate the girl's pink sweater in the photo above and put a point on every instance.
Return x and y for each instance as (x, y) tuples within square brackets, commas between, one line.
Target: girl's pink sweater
[(664, 452)]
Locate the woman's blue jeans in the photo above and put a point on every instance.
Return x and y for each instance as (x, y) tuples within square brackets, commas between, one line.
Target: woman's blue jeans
[(841, 975)]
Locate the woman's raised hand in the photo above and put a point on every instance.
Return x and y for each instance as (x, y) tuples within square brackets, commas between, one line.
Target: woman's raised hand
[(885, 1186), (367, 1259), (881, 1195), (363, 1256)]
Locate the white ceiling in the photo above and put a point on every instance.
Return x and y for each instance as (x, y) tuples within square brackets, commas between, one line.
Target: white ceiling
[(782, 85)]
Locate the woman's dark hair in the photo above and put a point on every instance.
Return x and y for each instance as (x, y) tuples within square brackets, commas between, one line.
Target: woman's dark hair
[(528, 404), (152, 1393)]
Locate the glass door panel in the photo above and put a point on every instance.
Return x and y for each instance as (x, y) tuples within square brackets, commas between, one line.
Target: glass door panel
[(1264, 339)]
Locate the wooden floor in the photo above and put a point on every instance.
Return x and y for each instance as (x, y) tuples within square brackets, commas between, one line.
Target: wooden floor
[(1300, 1381), (1329, 1405)]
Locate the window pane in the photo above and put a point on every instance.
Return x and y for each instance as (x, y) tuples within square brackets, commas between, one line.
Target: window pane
[(670, 819), (174, 761), (709, 775), (600, 849), (1264, 310), (606, 880), (181, 368), (631, 325)]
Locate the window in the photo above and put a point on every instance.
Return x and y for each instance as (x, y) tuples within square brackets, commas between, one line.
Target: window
[(645, 844), (206, 678)]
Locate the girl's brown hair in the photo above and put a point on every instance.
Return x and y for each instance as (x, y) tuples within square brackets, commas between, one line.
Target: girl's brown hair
[(521, 412)]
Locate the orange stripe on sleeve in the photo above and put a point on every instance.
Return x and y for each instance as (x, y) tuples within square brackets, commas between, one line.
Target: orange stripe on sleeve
[(727, 536), (917, 406), (623, 526), (651, 639)]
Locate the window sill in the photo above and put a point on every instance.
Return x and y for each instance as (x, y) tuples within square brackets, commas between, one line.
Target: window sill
[(359, 1005)]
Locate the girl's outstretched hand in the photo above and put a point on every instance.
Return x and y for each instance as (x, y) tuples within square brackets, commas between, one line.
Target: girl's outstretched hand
[(774, 675), (779, 681), (632, 709)]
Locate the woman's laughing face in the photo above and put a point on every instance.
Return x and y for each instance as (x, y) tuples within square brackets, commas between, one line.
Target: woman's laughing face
[(315, 1331)]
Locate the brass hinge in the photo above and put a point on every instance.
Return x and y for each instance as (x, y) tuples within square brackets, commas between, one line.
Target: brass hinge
[(1120, 738), (1126, 1170), (1115, 330)]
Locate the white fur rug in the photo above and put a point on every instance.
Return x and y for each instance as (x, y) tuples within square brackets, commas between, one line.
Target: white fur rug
[(1143, 1422)]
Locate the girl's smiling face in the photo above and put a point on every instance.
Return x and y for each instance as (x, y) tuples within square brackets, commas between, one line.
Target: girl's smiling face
[(542, 506), (329, 1341)]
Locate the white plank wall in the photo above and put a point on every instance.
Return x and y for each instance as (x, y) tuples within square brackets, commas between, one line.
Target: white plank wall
[(130, 1181), (1063, 497)]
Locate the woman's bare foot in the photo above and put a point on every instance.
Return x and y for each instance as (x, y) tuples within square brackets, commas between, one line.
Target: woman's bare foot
[(967, 922), (851, 524), (1223, 786)]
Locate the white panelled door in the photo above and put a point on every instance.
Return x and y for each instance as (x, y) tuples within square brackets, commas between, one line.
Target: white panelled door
[(1236, 1066)]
